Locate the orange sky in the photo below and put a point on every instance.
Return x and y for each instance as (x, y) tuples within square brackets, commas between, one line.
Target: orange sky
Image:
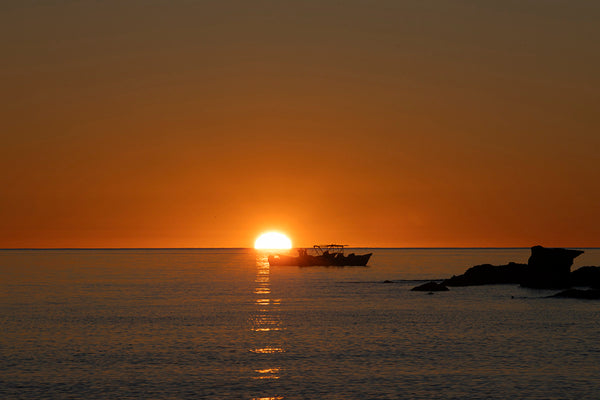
[(202, 124)]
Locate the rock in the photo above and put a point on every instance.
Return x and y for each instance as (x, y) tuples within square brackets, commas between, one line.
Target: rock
[(549, 268), (546, 268), (590, 294), (487, 274), (430, 287), (387, 281), (586, 276)]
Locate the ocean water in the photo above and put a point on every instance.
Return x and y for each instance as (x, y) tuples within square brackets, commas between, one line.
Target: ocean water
[(222, 324)]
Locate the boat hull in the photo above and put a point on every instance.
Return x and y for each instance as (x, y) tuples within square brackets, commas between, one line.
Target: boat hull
[(324, 260)]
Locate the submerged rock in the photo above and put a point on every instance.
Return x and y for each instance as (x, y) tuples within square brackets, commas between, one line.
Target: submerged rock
[(586, 276), (549, 268), (430, 287), (590, 294), (487, 274)]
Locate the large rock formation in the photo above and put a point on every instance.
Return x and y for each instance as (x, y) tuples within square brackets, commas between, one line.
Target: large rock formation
[(549, 268), (487, 274), (586, 276)]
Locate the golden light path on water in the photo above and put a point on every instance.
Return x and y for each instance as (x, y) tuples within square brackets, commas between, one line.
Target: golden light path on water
[(265, 323), (268, 398)]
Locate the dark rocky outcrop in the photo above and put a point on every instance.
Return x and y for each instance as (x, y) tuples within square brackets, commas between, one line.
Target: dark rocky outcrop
[(549, 268), (430, 287), (487, 274), (590, 294), (586, 276)]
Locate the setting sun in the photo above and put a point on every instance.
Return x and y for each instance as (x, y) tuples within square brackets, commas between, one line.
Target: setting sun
[(273, 240)]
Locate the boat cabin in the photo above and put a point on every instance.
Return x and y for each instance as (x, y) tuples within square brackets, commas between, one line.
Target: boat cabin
[(325, 249)]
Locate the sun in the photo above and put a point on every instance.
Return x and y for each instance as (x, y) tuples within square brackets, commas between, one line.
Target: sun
[(272, 240)]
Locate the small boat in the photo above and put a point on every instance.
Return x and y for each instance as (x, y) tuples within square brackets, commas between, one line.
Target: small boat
[(322, 255)]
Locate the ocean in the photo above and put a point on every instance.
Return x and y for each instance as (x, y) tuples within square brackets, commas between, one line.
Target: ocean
[(222, 324)]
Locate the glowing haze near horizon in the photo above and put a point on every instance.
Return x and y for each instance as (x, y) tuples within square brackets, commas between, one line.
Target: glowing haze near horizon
[(388, 123)]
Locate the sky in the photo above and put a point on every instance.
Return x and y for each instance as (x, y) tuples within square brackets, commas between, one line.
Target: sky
[(181, 123)]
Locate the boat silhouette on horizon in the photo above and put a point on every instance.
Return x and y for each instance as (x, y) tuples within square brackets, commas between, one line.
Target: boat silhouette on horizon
[(322, 256)]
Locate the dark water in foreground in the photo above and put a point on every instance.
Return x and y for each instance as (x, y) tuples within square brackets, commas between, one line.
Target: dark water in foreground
[(221, 324)]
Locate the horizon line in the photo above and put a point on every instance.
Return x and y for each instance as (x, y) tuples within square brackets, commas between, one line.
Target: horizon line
[(252, 248)]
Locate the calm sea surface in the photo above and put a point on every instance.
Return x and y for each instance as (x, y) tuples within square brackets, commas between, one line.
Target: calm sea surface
[(222, 324)]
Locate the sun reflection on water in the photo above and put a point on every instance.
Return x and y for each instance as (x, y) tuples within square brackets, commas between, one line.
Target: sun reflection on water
[(266, 325), (267, 350), (269, 373)]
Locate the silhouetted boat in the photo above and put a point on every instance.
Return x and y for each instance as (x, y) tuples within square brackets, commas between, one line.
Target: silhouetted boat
[(326, 255)]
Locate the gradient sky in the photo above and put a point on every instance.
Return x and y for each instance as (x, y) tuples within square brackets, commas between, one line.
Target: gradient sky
[(372, 123)]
